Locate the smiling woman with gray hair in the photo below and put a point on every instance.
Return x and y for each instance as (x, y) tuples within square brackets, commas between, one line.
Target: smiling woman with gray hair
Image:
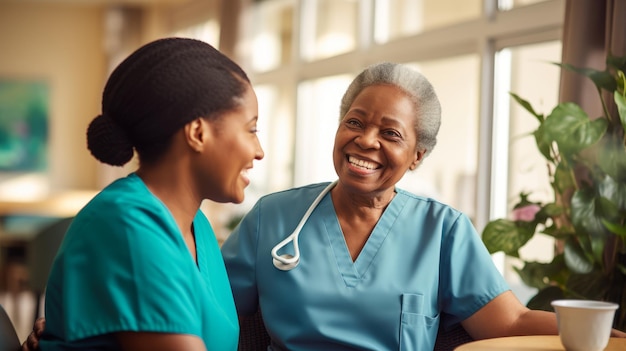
[(373, 267), (417, 88)]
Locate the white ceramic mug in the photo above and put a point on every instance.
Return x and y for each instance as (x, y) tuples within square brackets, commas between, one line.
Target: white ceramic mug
[(584, 325)]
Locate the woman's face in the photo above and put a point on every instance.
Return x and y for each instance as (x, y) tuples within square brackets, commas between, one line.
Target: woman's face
[(376, 140), (234, 146)]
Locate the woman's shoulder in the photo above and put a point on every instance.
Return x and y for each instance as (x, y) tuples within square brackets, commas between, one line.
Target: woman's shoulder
[(295, 194), (127, 189), (123, 212), (428, 204), (289, 201), (124, 197)]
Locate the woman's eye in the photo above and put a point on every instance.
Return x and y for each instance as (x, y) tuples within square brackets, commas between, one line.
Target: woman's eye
[(392, 133), (353, 122)]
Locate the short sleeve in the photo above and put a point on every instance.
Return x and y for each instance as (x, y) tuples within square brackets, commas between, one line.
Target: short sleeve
[(124, 267), (240, 255), (469, 278)]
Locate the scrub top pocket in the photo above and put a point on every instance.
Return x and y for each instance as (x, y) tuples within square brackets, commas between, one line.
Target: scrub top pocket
[(415, 326)]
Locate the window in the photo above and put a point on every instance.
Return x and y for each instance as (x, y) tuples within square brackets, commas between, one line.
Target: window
[(269, 39), (449, 172), (398, 18), (208, 31), (505, 5), (328, 27), (526, 71), (472, 51), (317, 121)]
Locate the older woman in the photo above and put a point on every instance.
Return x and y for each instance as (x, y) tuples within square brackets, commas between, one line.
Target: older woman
[(377, 267)]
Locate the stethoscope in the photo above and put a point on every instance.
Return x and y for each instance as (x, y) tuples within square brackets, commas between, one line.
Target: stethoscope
[(287, 262)]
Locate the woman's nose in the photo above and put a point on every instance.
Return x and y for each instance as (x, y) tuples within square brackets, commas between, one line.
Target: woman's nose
[(259, 154), (368, 140)]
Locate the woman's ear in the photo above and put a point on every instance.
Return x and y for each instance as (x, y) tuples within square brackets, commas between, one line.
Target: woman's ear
[(196, 134), (419, 155)]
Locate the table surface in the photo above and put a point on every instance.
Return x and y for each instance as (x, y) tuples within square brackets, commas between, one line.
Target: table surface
[(531, 343)]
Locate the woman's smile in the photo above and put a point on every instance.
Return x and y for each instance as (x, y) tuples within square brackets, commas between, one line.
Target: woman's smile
[(361, 166)]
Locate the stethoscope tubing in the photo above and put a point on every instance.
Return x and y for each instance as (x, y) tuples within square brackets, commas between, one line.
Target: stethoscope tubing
[(288, 262)]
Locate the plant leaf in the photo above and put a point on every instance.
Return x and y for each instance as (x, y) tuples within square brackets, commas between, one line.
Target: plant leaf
[(506, 236), (610, 152), (557, 232), (620, 101), (602, 79), (540, 275), (592, 286), (615, 228), (597, 248), (621, 80), (527, 106), (542, 300), (616, 62), (614, 192), (570, 127), (550, 210), (576, 259), (543, 143), (563, 178), (587, 214)]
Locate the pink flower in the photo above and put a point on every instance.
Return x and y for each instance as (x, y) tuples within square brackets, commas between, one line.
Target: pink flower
[(525, 213)]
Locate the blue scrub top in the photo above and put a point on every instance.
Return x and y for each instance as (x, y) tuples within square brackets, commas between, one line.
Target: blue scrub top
[(422, 260), (124, 266)]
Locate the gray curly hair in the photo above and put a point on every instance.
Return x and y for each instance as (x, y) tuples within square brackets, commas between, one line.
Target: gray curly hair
[(415, 85)]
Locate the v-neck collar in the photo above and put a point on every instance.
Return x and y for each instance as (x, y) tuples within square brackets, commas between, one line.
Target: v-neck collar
[(353, 272), (200, 236), (199, 262)]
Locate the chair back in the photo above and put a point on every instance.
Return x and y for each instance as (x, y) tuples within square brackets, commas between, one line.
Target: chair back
[(42, 251), (8, 336), (253, 335)]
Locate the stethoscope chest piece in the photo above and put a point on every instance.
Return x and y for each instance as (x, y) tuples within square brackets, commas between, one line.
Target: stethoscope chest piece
[(287, 264)]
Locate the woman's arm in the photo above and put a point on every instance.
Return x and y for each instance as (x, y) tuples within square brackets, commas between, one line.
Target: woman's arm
[(506, 316), (131, 340), (159, 342)]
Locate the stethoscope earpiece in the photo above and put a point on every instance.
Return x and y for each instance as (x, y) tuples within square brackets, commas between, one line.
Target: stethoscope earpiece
[(288, 262)]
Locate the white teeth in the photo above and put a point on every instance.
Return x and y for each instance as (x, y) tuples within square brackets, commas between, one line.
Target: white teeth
[(361, 163)]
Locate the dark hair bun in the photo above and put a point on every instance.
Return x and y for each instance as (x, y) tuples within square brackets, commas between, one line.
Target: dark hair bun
[(108, 142), (158, 89)]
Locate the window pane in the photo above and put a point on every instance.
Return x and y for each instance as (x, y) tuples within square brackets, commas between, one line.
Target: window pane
[(328, 27), (449, 172), (318, 118), (270, 25), (208, 31), (398, 18), (504, 5), (276, 127), (525, 71)]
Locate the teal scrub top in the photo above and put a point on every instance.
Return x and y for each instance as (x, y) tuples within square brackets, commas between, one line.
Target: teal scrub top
[(124, 266), (423, 261)]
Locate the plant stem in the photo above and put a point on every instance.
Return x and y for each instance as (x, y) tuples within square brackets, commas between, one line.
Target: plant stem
[(605, 107)]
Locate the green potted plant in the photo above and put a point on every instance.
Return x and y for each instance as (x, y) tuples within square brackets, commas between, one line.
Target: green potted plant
[(586, 164)]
